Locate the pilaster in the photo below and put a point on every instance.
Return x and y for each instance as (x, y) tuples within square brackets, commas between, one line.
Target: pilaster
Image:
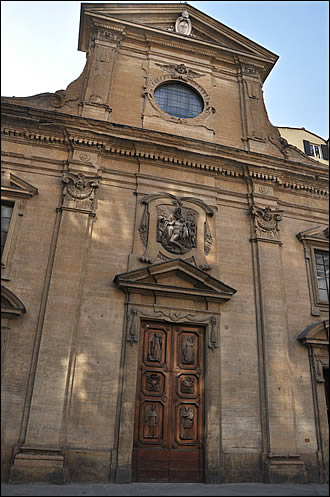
[(41, 456), (281, 462), (102, 55)]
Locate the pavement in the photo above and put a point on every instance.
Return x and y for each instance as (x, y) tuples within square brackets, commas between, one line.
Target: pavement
[(159, 489)]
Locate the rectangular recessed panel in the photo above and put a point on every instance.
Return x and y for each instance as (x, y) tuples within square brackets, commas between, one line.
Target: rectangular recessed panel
[(186, 466)]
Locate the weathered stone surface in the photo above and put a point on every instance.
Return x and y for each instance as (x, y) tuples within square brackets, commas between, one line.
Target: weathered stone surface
[(87, 260)]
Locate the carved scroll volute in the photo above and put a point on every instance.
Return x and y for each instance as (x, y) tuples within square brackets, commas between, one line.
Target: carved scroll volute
[(213, 333), (79, 191), (208, 239), (132, 327), (144, 226), (266, 222)]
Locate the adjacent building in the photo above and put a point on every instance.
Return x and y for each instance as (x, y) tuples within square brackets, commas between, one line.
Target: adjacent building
[(311, 144), (164, 263)]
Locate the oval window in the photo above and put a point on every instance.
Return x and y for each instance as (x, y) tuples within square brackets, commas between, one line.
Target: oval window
[(179, 100)]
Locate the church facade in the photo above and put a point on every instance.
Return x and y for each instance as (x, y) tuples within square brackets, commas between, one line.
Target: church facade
[(164, 263)]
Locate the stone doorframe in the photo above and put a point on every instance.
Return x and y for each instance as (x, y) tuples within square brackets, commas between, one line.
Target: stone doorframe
[(316, 338), (200, 305)]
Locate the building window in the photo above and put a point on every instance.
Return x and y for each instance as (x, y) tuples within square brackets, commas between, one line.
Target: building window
[(6, 214), (179, 100), (14, 194), (322, 274), (316, 150), (316, 251)]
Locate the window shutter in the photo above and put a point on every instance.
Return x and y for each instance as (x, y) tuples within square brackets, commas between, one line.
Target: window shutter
[(325, 152), (307, 147)]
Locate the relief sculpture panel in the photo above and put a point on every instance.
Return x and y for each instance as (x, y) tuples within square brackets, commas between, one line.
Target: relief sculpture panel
[(176, 228), (169, 227), (187, 350), (155, 347), (187, 423), (151, 422)]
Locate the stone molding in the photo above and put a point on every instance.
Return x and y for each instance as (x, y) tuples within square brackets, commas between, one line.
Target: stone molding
[(11, 305), (187, 76), (173, 225), (137, 312), (316, 338), (268, 174), (314, 239), (206, 287)]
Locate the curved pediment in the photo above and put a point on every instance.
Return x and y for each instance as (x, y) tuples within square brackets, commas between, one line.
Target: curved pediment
[(316, 333), (176, 278), (11, 305)]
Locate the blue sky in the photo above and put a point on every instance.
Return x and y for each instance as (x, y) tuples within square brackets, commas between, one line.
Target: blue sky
[(40, 38)]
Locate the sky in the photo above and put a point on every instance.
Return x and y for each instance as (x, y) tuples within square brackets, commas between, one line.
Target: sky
[(39, 53)]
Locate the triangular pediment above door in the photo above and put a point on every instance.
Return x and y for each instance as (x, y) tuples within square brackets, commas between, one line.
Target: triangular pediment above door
[(176, 278)]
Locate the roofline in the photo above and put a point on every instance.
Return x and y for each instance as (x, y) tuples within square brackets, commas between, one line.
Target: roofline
[(304, 129), (265, 55)]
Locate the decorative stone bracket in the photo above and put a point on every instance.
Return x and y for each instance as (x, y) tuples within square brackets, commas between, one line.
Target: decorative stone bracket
[(266, 223), (79, 191)]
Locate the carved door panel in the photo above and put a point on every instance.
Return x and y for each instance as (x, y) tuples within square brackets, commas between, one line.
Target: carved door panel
[(168, 434)]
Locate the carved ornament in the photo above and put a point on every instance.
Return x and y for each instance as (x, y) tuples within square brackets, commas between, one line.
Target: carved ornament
[(266, 222), (171, 315), (180, 229), (79, 191), (183, 24), (180, 71), (176, 228)]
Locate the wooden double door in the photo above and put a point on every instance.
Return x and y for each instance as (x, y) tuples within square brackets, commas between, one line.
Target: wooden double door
[(169, 416)]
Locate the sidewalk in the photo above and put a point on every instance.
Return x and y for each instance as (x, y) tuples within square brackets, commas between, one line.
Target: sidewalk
[(160, 489)]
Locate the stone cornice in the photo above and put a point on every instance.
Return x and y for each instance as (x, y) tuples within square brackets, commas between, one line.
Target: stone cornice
[(44, 127), (180, 41)]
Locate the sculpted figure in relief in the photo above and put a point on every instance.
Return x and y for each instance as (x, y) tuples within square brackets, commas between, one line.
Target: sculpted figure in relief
[(176, 232), (188, 350), (155, 344), (187, 421), (151, 422)]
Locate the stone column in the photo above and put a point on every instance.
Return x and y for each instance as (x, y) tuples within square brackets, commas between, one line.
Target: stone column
[(281, 461), (40, 457)]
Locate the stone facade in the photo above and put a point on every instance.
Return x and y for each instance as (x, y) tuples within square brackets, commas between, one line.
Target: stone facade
[(102, 181)]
